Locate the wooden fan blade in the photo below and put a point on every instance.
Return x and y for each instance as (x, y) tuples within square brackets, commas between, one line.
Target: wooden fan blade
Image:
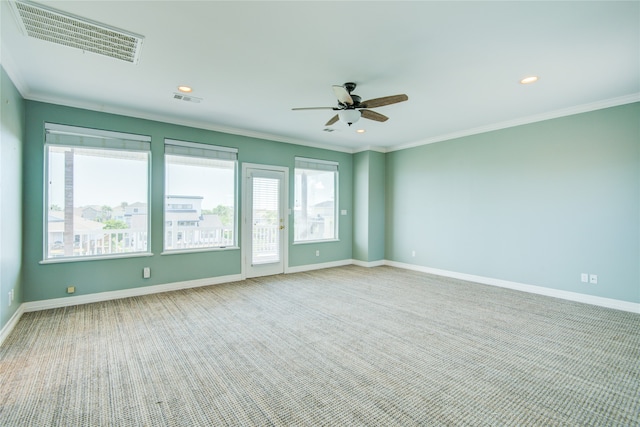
[(332, 121), (372, 115), (314, 108), (386, 100), (342, 94)]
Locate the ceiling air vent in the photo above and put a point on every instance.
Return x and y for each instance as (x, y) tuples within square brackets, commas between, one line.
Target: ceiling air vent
[(187, 98), (59, 27)]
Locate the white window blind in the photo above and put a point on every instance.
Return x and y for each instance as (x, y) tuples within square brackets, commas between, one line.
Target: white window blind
[(266, 237), (56, 134), (194, 149), (321, 165)]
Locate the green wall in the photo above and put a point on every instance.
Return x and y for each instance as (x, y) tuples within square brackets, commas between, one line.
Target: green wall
[(11, 136), (377, 202), (360, 206), (537, 204), (369, 206), (47, 281)]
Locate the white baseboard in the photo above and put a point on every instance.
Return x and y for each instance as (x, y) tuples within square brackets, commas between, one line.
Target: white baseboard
[(540, 290), (319, 266), (8, 327), (126, 293), (368, 263)]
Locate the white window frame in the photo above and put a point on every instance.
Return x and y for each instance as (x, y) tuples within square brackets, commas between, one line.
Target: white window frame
[(319, 165), (75, 136), (199, 150)]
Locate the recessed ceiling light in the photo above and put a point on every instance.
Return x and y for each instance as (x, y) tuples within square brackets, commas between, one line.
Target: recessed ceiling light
[(360, 131), (529, 80), (185, 89)]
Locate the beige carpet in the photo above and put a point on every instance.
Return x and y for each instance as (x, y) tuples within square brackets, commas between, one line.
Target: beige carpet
[(336, 347)]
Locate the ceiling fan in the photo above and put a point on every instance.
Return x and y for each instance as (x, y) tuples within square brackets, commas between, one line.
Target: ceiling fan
[(350, 108)]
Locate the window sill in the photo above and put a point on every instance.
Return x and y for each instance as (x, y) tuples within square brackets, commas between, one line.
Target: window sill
[(191, 251), (94, 258), (306, 242)]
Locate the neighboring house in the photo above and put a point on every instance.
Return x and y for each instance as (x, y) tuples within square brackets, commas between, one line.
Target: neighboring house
[(92, 213), (320, 217), (117, 213), (87, 234), (187, 227), (135, 215)]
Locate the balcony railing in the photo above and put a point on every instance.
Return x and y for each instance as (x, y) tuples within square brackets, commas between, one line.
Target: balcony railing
[(99, 242), (266, 244), (190, 237)]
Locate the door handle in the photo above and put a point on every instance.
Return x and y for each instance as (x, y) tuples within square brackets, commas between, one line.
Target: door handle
[(282, 227)]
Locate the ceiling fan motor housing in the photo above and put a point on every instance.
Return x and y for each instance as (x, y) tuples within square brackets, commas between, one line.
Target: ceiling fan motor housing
[(349, 86)]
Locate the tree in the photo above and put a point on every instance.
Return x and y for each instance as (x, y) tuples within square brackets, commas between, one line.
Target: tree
[(225, 213), (105, 213), (114, 224)]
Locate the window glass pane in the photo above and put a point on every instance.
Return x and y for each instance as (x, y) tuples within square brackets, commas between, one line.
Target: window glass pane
[(199, 206), (97, 201), (315, 209)]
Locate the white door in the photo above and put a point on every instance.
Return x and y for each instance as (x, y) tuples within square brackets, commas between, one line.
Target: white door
[(264, 226)]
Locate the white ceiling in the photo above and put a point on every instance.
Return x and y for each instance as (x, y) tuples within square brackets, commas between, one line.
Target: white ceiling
[(251, 62)]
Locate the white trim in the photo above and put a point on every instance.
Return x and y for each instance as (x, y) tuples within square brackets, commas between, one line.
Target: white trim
[(59, 260), (26, 92), (540, 290), (166, 118), (369, 263), (127, 293), (7, 62), (578, 109), (319, 266), (370, 148), (11, 324), (245, 203)]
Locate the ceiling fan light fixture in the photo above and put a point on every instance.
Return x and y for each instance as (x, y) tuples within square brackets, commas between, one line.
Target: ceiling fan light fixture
[(349, 116), (528, 80)]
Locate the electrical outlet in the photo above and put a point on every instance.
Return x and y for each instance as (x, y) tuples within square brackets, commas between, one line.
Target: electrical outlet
[(593, 278), (317, 253), (413, 253), (71, 289), (146, 273), (584, 278)]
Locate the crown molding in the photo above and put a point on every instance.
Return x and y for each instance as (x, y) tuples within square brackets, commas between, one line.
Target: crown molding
[(369, 148), (578, 109), (7, 62), (180, 122)]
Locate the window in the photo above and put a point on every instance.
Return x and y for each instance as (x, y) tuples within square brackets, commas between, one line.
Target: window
[(200, 196), (97, 192), (316, 183)]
